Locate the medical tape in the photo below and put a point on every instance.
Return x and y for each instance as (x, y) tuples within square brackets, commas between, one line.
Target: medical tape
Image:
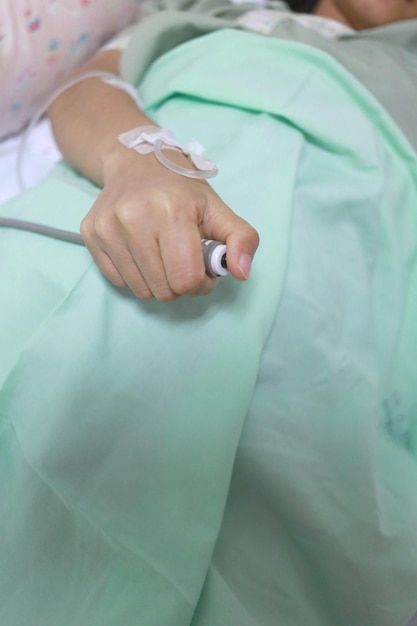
[(145, 139)]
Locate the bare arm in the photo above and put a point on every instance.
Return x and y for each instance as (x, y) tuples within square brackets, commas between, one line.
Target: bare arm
[(145, 227), (88, 117)]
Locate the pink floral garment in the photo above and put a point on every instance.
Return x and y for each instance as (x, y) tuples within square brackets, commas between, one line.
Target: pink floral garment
[(41, 41)]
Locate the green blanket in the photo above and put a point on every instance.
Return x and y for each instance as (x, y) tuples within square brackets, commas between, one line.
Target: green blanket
[(244, 459)]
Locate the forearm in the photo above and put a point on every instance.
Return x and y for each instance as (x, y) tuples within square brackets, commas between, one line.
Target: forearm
[(88, 117), (144, 230)]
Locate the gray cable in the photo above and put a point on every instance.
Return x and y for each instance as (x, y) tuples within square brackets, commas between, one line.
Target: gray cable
[(49, 231), (214, 252)]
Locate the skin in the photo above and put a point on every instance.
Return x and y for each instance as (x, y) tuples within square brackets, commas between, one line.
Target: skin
[(362, 14), (144, 229)]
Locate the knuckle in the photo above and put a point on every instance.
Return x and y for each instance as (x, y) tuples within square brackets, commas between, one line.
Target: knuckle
[(162, 291), (127, 214), (189, 281), (115, 279), (141, 290), (250, 238), (166, 296), (143, 294), (251, 233), (255, 237), (86, 230), (103, 229)]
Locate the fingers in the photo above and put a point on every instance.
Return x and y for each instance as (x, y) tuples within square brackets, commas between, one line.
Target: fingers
[(241, 239), (154, 246), (183, 261), (130, 254), (169, 268), (111, 254)]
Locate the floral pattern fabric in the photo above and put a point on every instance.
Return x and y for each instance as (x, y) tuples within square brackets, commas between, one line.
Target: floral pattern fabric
[(42, 41)]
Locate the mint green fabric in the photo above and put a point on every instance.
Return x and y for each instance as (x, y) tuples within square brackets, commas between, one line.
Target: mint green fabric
[(392, 47), (244, 459)]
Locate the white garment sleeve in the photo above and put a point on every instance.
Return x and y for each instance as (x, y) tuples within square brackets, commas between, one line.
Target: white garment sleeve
[(119, 41)]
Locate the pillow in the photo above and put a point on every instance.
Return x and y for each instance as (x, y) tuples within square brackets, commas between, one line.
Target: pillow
[(41, 42)]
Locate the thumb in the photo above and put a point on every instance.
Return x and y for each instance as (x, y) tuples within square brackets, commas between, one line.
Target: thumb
[(241, 239)]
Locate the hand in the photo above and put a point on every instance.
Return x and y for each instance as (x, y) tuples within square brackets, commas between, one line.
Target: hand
[(144, 231)]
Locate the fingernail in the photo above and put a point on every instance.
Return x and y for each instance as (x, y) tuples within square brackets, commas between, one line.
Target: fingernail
[(245, 263)]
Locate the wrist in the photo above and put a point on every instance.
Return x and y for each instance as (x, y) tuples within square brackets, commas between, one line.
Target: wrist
[(117, 159), (160, 141)]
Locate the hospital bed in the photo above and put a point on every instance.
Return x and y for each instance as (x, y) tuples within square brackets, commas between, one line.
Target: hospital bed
[(235, 460)]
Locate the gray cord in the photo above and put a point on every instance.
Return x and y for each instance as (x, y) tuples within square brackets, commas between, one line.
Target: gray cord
[(214, 252), (49, 231), (41, 229)]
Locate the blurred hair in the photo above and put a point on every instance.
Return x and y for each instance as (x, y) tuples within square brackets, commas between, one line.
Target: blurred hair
[(302, 6)]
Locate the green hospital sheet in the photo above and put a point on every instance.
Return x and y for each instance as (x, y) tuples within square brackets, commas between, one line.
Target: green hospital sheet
[(244, 459)]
